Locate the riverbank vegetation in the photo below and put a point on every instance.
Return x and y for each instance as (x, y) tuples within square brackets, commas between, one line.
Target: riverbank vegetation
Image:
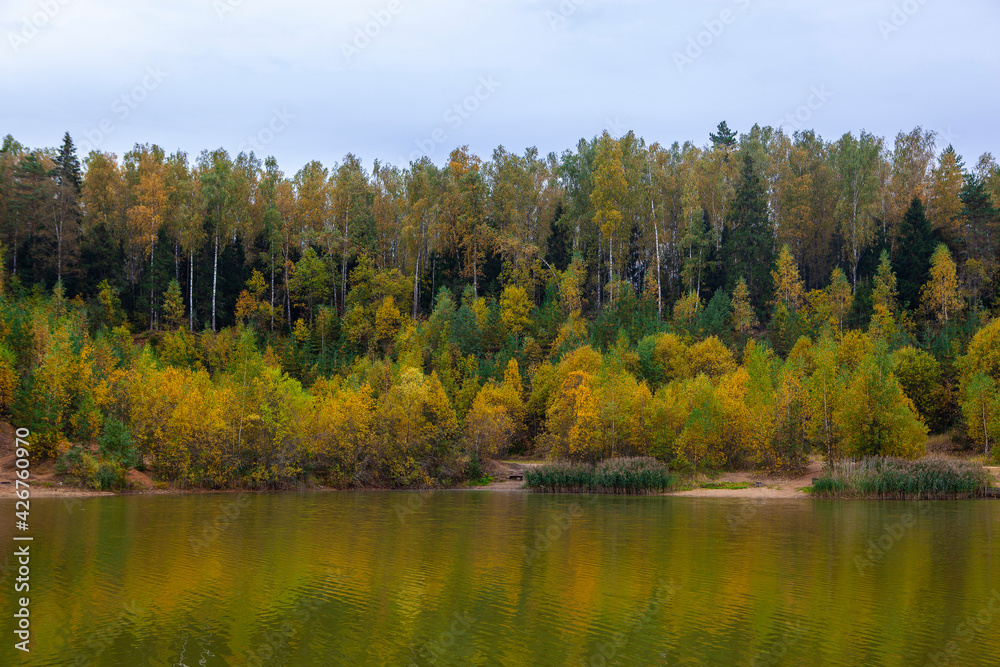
[(893, 478), (623, 476), (741, 304)]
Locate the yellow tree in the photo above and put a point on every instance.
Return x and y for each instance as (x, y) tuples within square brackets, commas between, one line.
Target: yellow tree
[(686, 310), (840, 297), (940, 295), (572, 423), (608, 199), (711, 357), (341, 433), (515, 309), (252, 305), (788, 287), (743, 316), (147, 213), (489, 430), (944, 206)]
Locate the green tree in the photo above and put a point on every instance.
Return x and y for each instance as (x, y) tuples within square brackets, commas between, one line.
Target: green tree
[(749, 245), (912, 260), (876, 417), (310, 280)]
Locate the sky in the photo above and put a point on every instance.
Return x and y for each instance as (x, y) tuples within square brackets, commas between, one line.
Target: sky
[(394, 80)]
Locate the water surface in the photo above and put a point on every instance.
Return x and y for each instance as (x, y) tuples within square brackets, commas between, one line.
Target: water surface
[(507, 578)]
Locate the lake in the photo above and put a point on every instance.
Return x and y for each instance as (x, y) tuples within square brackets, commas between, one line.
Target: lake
[(506, 578)]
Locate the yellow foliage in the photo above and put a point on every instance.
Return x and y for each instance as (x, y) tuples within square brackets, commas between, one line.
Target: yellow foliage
[(788, 287), (940, 296), (686, 309), (743, 316), (711, 357), (515, 308), (489, 429)]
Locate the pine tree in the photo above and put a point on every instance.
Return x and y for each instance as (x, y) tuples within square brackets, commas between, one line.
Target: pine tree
[(723, 137)]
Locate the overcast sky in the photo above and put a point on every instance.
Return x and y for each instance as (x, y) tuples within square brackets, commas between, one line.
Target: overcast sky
[(393, 79)]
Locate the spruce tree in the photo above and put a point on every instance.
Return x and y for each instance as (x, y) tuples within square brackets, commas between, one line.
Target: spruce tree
[(912, 260), (749, 251)]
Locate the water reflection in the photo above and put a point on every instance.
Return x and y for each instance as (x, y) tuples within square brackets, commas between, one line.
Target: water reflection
[(495, 578)]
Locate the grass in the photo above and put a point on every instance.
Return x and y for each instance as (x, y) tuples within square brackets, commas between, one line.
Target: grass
[(626, 476), (726, 485), (891, 478)]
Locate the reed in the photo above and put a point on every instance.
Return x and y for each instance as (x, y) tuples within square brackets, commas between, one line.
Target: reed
[(626, 476), (892, 478)]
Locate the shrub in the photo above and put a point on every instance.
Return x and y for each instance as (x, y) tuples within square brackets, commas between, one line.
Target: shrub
[(116, 444)]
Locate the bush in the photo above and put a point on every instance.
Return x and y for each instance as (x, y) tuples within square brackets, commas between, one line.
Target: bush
[(893, 478), (109, 477), (117, 445), (634, 475)]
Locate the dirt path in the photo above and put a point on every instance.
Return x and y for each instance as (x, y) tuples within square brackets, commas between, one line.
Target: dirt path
[(502, 472), (787, 486), (770, 486)]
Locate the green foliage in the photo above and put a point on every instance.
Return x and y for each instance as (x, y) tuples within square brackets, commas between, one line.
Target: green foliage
[(116, 444), (876, 417)]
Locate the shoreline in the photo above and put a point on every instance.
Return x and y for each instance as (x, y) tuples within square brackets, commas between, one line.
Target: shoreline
[(771, 487)]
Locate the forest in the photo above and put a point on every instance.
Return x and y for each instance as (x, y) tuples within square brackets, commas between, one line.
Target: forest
[(744, 303)]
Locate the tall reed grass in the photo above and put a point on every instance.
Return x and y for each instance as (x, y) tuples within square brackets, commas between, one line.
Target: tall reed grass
[(627, 476), (892, 478)]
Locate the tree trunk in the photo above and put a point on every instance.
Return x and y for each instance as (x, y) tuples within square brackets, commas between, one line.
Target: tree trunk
[(656, 234), (191, 290), (272, 291), (416, 284), (215, 277), (152, 309)]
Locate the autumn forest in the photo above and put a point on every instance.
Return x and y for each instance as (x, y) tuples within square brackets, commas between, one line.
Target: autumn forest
[(742, 303)]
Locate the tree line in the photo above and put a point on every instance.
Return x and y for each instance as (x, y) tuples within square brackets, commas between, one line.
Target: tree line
[(684, 286)]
